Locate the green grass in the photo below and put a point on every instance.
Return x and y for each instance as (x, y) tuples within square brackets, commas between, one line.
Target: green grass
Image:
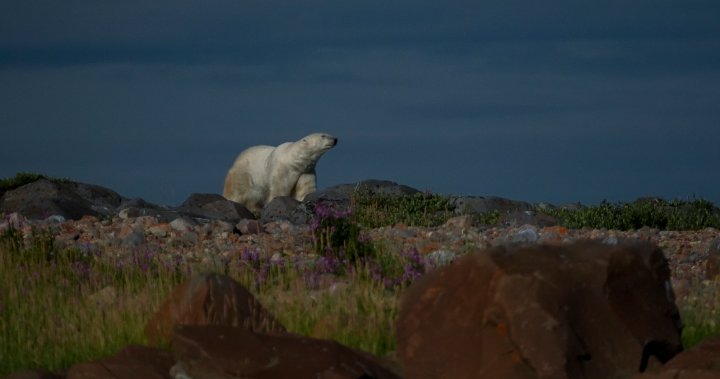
[(700, 312), (372, 210), (654, 213), (58, 308)]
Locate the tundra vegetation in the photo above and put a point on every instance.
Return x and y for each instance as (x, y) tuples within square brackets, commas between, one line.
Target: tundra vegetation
[(63, 306)]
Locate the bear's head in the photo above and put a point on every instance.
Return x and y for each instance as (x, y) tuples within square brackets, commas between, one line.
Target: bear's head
[(318, 143)]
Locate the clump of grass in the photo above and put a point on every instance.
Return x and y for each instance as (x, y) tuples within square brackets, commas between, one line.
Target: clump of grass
[(20, 179), (372, 210), (653, 213), (700, 312), (488, 218), (335, 233)]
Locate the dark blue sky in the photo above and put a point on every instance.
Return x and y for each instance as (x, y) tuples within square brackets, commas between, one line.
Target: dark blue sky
[(540, 101)]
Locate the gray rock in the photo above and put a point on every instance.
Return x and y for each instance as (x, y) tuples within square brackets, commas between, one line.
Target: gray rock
[(55, 219), (526, 234), (249, 227), (440, 258), (134, 239), (182, 224), (285, 208), (132, 208), (214, 207), (71, 200)]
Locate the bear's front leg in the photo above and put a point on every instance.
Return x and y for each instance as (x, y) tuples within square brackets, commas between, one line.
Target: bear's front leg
[(305, 185)]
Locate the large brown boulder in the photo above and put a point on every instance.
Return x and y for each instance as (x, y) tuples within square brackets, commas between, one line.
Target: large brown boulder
[(229, 352), (580, 311), (700, 362), (132, 362), (209, 299)]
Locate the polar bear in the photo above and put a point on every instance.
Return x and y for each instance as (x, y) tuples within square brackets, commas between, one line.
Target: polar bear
[(262, 173)]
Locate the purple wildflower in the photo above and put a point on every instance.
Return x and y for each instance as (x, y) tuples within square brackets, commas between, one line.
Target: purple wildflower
[(251, 256)]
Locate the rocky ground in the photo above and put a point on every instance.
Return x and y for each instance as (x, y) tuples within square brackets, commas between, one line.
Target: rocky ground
[(207, 227), (686, 251)]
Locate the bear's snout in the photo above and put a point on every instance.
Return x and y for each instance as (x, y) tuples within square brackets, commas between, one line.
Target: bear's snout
[(334, 141)]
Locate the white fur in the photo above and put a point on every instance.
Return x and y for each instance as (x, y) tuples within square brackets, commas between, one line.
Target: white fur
[(262, 173)]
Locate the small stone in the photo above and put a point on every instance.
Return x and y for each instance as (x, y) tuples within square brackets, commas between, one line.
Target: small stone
[(182, 224), (55, 219), (526, 234), (160, 230), (145, 221), (190, 237), (459, 222), (16, 220), (276, 258), (441, 258), (247, 226)]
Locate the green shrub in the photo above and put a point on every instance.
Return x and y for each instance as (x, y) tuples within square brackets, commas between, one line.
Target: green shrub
[(653, 213), (700, 312), (372, 210), (336, 234)]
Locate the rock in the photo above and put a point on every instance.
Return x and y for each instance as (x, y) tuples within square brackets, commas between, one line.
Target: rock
[(33, 374), (712, 265), (285, 208), (130, 237), (182, 224), (700, 362), (139, 208), (14, 220), (481, 205), (249, 227), (439, 258), (218, 229), (526, 234), (56, 219), (209, 299), (71, 200), (132, 362), (584, 310), (459, 222), (229, 352), (214, 207), (159, 230)]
